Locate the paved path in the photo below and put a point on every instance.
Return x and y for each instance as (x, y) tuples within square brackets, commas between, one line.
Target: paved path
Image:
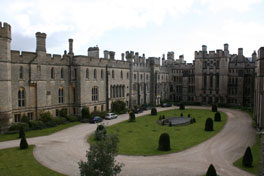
[(62, 151)]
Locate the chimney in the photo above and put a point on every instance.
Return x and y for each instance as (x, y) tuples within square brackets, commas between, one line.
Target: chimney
[(70, 46), (254, 56), (204, 48), (41, 41), (123, 56), (106, 54), (240, 51)]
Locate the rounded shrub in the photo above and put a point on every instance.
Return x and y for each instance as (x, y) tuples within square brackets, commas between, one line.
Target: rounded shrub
[(209, 124), (21, 132), (51, 124), (59, 120), (214, 108), (72, 118), (182, 106), (25, 119), (36, 125), (211, 171), (23, 143), (247, 158), (217, 117), (164, 142), (100, 132), (45, 116), (132, 117), (85, 113), (154, 111)]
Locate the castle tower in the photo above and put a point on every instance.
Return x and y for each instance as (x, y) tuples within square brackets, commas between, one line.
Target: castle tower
[(5, 75), (41, 42)]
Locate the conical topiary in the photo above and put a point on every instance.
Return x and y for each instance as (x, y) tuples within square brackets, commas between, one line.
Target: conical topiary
[(164, 142), (247, 158), (100, 133), (214, 108), (21, 132), (132, 117), (209, 124), (154, 111), (211, 171), (217, 117), (23, 143)]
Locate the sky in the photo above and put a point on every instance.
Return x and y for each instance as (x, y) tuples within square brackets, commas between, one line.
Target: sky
[(145, 26)]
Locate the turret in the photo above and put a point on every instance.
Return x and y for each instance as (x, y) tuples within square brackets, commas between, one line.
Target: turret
[(226, 51), (240, 51), (112, 55), (5, 40), (254, 56), (106, 54), (41, 42), (204, 48), (93, 52)]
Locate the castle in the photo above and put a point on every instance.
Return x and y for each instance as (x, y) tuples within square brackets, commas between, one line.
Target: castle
[(32, 82)]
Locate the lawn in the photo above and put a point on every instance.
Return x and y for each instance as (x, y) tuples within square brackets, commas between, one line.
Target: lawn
[(255, 153), (35, 133), (16, 162), (141, 137)]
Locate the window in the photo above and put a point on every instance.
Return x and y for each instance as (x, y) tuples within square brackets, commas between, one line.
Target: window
[(75, 73), (102, 107), (95, 74), (121, 74), (95, 94), (21, 97), (87, 73), (147, 77), (62, 73), (113, 74), (60, 95), (52, 73), (30, 115), (135, 76), (211, 81), (127, 75), (102, 74), (17, 117), (21, 72)]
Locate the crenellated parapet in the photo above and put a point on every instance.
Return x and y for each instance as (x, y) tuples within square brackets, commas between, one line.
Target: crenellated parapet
[(5, 30)]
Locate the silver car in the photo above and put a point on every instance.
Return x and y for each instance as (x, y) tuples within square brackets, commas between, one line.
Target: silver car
[(110, 116)]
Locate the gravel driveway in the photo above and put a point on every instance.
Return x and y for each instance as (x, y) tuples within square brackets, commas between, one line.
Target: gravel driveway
[(62, 151)]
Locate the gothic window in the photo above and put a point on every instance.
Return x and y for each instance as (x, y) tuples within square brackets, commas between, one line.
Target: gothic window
[(113, 74), (60, 95), (205, 81), (20, 72), (87, 73), (211, 80), (17, 117), (21, 97), (52, 73), (217, 80), (95, 94), (111, 91), (62, 73), (102, 74), (95, 74), (121, 74)]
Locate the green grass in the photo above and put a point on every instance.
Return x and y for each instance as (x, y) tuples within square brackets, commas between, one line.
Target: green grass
[(16, 162), (255, 153), (141, 137), (35, 133)]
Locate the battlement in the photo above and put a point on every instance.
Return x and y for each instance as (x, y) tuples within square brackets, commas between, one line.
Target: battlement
[(5, 30)]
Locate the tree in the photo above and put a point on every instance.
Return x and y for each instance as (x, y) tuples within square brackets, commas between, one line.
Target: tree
[(247, 158), (118, 107), (211, 171), (23, 143), (209, 124), (101, 158), (21, 132), (164, 142), (154, 111), (85, 113)]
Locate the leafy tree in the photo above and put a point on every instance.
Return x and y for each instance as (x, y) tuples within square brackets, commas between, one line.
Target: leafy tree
[(209, 124), (101, 158), (85, 113), (211, 171), (118, 107), (154, 111), (164, 142), (247, 158), (23, 143)]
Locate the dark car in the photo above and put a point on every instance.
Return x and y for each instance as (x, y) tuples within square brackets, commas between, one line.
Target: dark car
[(166, 105), (95, 119), (138, 110)]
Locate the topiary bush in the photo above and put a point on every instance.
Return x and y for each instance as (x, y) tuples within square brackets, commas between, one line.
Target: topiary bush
[(194, 120), (100, 132), (36, 125), (211, 171), (209, 124), (163, 117), (21, 132), (214, 108), (164, 142), (247, 158), (217, 117), (45, 116), (23, 143), (170, 124), (182, 106), (132, 117), (154, 111)]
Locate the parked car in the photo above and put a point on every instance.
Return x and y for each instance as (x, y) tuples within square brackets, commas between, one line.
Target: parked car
[(138, 110), (110, 116), (166, 105), (95, 119)]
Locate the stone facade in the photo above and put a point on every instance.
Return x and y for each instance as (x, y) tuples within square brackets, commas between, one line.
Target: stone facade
[(32, 82)]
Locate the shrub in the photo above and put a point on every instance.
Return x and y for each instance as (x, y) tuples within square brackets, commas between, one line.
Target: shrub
[(21, 132), (85, 113), (164, 142), (45, 117), (63, 112), (247, 158), (154, 111), (132, 117), (118, 107), (16, 126), (182, 106), (23, 143), (217, 117), (36, 125), (209, 124), (214, 108), (211, 171), (59, 120), (72, 118), (99, 113), (25, 119), (194, 120), (181, 114), (50, 124), (100, 133)]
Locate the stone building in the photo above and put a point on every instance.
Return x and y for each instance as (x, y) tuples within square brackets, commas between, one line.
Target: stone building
[(33, 82)]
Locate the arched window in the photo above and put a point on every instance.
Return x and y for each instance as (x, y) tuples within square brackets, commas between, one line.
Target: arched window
[(114, 92), (21, 97), (62, 73), (87, 73), (52, 73), (95, 74), (102, 74), (95, 94), (20, 72), (121, 74), (113, 74), (111, 91), (60, 95)]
